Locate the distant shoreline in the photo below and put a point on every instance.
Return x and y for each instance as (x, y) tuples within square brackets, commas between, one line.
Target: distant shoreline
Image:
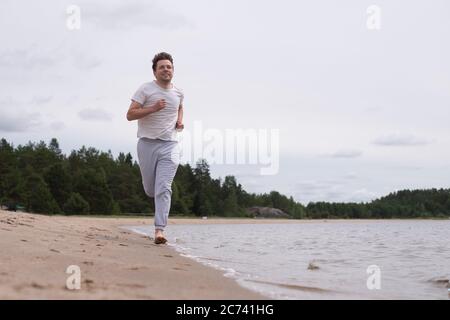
[(230, 219)]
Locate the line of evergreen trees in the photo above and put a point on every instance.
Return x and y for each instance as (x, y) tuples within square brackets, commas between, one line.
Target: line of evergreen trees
[(41, 179)]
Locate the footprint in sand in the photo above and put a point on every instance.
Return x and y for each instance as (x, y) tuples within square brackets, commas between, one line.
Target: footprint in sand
[(41, 258), (8, 221), (135, 268), (88, 283), (37, 285), (179, 269), (88, 263), (24, 224), (97, 229)]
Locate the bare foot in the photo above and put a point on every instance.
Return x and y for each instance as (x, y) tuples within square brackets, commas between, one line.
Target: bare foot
[(159, 237)]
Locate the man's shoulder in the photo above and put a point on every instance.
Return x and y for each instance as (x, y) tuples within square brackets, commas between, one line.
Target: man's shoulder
[(148, 88), (151, 86), (147, 85), (178, 89)]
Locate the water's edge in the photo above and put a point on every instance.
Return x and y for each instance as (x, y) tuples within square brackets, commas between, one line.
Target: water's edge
[(226, 272)]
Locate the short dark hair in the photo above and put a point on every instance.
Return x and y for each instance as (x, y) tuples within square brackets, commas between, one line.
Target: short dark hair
[(161, 56)]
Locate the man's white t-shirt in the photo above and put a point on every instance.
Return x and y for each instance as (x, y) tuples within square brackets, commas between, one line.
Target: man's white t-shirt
[(160, 124)]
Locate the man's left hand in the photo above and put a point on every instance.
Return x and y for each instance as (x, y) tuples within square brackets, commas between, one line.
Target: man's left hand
[(179, 126)]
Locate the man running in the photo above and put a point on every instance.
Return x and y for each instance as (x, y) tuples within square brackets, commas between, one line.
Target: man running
[(158, 107)]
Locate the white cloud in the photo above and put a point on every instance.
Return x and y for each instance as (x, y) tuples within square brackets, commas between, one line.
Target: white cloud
[(346, 153), (19, 121), (361, 195), (36, 58), (313, 189), (29, 58), (350, 176), (95, 114), (85, 62), (16, 117), (41, 100), (57, 125), (131, 15), (398, 139)]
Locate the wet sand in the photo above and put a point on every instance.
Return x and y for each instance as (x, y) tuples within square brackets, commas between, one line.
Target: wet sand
[(36, 250)]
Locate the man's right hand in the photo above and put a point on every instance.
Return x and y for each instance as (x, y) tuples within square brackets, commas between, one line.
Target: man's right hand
[(160, 104), (137, 110)]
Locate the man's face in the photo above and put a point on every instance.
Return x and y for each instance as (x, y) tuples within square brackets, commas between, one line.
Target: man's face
[(164, 71)]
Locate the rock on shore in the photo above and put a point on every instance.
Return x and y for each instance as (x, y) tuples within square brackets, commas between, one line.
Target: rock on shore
[(267, 212)]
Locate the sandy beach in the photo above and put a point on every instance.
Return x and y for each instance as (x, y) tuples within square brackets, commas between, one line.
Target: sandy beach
[(36, 250)]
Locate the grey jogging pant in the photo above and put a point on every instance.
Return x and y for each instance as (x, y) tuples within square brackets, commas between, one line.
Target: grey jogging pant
[(158, 161)]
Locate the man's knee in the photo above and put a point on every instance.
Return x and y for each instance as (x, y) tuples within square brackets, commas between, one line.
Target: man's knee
[(149, 191), (163, 190)]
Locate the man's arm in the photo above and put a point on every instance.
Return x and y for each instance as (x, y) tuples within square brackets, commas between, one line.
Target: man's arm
[(180, 124), (137, 110)]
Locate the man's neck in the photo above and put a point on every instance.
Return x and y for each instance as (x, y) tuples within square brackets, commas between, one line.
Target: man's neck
[(165, 85)]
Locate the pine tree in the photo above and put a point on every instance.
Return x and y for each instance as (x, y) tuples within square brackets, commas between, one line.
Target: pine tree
[(59, 183), (38, 197), (76, 204)]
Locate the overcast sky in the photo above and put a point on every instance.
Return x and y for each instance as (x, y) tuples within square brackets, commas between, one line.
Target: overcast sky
[(361, 112)]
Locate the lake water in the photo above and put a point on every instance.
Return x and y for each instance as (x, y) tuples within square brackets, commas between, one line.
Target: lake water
[(380, 259)]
